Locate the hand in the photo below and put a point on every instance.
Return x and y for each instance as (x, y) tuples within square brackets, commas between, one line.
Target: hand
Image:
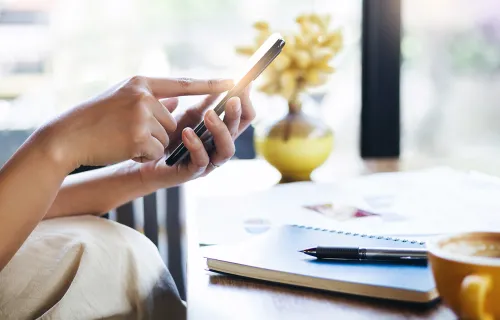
[(126, 122), (238, 116)]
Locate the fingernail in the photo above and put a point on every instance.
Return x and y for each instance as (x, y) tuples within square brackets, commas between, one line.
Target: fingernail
[(237, 105), (212, 116), (191, 136)]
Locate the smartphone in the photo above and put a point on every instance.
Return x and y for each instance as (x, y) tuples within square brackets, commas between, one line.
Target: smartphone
[(257, 63)]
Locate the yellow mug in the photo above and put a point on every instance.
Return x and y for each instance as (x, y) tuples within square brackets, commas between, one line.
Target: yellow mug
[(466, 269)]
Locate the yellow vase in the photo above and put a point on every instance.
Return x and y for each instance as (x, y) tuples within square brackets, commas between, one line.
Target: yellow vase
[(295, 145)]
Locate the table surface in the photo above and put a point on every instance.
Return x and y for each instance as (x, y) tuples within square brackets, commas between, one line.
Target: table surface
[(216, 296)]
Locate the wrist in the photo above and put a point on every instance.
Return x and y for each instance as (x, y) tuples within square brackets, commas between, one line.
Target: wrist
[(52, 147), (135, 173), (153, 177)]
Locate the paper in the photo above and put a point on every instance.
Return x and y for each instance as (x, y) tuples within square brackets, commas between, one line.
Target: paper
[(404, 204)]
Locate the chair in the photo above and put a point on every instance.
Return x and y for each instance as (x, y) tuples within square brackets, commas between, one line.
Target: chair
[(171, 230), (146, 214)]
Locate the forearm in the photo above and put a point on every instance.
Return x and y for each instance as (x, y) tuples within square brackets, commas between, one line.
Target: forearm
[(29, 183), (99, 191)]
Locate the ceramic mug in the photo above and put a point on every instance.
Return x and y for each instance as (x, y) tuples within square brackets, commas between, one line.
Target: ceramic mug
[(466, 269)]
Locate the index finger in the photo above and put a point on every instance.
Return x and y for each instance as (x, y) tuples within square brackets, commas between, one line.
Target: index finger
[(174, 87)]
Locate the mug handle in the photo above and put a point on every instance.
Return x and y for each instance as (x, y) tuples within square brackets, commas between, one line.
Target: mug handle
[(473, 294)]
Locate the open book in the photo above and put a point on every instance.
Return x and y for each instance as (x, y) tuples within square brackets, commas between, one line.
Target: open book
[(275, 257)]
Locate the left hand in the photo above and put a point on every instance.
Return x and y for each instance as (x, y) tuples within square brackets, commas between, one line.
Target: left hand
[(239, 114)]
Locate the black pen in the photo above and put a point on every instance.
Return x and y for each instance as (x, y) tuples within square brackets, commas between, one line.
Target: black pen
[(372, 253)]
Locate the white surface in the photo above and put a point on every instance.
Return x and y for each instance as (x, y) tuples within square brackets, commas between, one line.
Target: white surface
[(235, 177), (433, 201)]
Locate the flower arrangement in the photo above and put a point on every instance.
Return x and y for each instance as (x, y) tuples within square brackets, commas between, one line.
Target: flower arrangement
[(305, 60)]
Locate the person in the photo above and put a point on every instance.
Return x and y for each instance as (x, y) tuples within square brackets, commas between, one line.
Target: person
[(57, 259)]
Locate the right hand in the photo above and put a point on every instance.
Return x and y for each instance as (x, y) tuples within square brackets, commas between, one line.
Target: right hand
[(126, 122)]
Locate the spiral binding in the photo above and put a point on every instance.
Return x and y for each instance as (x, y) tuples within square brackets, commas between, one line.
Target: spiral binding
[(359, 234)]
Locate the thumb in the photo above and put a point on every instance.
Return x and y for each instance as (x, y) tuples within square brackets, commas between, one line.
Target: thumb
[(151, 150), (170, 103)]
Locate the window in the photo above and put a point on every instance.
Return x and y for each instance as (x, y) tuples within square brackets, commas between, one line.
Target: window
[(57, 53), (451, 82)]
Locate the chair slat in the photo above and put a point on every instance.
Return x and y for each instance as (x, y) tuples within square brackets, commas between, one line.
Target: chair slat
[(174, 239), (151, 218), (125, 214)]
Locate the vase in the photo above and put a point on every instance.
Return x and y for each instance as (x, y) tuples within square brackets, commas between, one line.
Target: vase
[(295, 145)]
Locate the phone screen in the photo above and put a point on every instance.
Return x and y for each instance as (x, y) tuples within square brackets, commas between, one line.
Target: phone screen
[(244, 74), (257, 56)]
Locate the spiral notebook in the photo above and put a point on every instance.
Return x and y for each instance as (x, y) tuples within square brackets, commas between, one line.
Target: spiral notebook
[(275, 257)]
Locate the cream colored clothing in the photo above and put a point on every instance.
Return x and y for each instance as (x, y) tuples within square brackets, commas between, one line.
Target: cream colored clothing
[(88, 268)]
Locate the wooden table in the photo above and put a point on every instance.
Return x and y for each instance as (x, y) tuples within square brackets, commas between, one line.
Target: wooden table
[(215, 296)]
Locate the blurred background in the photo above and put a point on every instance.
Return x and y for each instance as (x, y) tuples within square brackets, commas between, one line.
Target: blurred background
[(54, 54)]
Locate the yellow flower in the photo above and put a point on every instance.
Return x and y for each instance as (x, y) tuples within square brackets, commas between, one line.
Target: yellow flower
[(305, 59)]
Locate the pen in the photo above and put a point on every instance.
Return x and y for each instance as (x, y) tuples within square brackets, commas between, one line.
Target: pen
[(372, 253)]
